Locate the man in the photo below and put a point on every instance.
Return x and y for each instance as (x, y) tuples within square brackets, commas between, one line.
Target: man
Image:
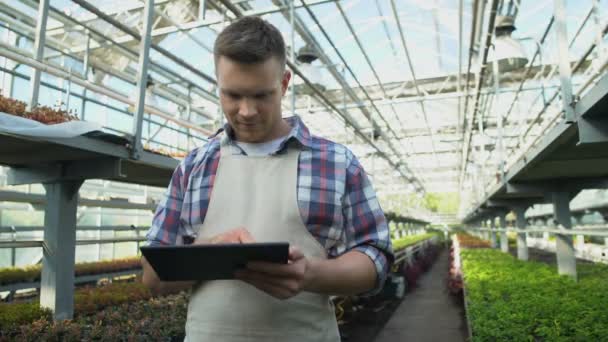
[(267, 179)]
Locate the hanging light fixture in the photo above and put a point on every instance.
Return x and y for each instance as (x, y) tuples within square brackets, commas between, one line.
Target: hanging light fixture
[(306, 55), (507, 52)]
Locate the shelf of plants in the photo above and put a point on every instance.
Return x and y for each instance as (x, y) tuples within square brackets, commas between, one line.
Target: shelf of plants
[(127, 310), (56, 115), (512, 300), (18, 277)]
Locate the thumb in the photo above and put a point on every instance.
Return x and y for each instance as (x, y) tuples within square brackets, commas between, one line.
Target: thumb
[(245, 236), (295, 253)]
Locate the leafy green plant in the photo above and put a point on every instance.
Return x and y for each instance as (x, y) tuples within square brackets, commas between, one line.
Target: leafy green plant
[(32, 273), (154, 319), (11, 275), (513, 300), (91, 299), (12, 316), (411, 240), (87, 300)]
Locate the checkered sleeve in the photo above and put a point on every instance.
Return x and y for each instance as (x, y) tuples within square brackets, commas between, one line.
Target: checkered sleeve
[(366, 228), (166, 224)]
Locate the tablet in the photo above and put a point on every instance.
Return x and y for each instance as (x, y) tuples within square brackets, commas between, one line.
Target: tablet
[(210, 262)]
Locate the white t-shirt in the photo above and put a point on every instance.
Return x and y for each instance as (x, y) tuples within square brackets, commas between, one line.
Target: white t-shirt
[(261, 149)]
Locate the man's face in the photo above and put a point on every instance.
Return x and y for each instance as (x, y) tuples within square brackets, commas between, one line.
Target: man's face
[(250, 96)]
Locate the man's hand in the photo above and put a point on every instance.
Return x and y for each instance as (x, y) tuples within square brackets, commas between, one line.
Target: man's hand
[(281, 281), (236, 235)]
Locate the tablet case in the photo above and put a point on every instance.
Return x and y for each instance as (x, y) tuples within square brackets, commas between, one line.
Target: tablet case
[(210, 262)]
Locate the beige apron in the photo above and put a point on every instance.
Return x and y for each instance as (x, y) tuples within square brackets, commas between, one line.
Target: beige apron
[(258, 193)]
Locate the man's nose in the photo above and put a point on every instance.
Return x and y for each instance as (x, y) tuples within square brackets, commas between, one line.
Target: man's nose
[(247, 107)]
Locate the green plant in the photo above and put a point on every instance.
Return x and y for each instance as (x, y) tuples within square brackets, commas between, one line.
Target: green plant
[(513, 300), (13, 315), (32, 273), (87, 300), (91, 299), (11, 275), (154, 319), (411, 240)]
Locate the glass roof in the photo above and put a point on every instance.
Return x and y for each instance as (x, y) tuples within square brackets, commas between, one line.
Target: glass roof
[(405, 78)]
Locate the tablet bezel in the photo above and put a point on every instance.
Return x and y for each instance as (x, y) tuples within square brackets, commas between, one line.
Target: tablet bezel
[(210, 261)]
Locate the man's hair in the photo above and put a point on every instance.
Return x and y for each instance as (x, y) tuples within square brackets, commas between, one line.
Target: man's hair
[(250, 40)]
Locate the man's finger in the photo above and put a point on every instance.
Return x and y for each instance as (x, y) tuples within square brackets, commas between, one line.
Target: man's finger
[(245, 236), (278, 281), (274, 290), (295, 253), (272, 269)]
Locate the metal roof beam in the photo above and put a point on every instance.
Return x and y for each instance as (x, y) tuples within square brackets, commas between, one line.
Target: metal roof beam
[(132, 54), (309, 38), (166, 92), (483, 62), (371, 66), (409, 61), (137, 36), (343, 114)]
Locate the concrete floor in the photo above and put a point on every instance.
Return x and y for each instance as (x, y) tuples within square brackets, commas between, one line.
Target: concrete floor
[(429, 313)]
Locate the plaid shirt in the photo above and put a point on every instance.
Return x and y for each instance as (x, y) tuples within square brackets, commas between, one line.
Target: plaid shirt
[(336, 200)]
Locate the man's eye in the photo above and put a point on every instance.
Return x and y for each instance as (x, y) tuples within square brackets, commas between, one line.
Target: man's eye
[(233, 96), (260, 96)]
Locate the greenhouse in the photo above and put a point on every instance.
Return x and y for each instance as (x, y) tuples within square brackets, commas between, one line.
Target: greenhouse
[(303, 170)]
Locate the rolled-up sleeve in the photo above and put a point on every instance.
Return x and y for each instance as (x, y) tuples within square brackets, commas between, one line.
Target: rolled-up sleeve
[(366, 228)]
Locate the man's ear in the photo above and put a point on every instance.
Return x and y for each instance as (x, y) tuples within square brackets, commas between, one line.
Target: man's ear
[(285, 81)]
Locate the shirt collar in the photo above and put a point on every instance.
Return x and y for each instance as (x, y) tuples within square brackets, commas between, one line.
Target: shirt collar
[(299, 132)]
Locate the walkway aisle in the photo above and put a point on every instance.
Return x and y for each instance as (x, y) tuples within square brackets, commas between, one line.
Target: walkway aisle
[(428, 313)]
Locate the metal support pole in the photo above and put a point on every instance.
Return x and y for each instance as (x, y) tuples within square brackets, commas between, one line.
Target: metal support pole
[(292, 15), (85, 73), (142, 77), (580, 239), (189, 116), (113, 245), (13, 249), (504, 240), (68, 91), (522, 243), (43, 11), (547, 224), (488, 233), (500, 139), (580, 242), (202, 10), (99, 223), (59, 248), (599, 36), (6, 83), (566, 260), (493, 237), (565, 73)]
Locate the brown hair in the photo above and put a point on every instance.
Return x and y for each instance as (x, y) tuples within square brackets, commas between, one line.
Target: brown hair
[(250, 40)]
